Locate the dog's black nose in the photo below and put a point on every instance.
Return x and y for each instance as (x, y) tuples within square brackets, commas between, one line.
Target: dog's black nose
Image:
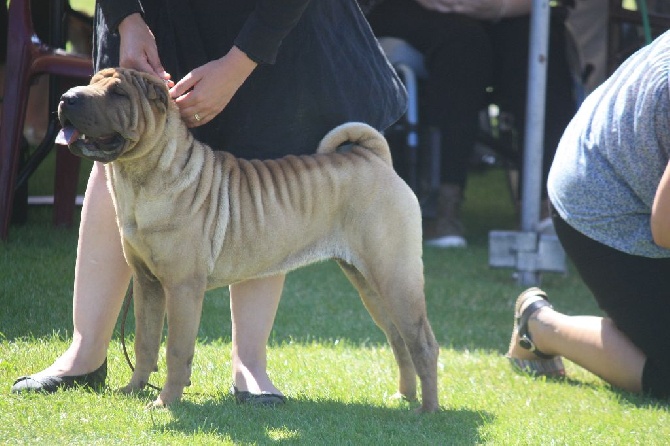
[(70, 98)]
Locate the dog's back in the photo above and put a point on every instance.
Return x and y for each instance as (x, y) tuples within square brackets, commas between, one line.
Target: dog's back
[(289, 203)]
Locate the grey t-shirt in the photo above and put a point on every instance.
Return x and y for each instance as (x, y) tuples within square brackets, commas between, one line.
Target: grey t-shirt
[(612, 155)]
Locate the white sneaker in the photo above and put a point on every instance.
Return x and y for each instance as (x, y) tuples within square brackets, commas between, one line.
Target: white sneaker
[(448, 241)]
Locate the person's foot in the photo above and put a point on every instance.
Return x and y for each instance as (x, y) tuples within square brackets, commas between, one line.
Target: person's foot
[(47, 383), (522, 352), (257, 399), (252, 381), (449, 230)]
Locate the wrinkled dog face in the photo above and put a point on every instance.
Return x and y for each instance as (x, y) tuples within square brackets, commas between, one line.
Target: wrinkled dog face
[(106, 119)]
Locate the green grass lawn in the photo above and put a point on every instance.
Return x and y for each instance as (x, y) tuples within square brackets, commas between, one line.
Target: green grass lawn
[(325, 354)]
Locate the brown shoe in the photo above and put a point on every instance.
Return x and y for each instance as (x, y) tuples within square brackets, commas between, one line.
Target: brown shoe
[(531, 300), (448, 231)]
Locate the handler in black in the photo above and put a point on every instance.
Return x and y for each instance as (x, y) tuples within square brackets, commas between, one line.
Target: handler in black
[(259, 79)]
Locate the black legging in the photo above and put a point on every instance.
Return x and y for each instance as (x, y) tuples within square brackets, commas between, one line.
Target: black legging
[(459, 59), (634, 292), (465, 56)]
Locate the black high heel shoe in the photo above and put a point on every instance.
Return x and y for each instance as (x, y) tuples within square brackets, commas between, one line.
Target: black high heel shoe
[(50, 384)]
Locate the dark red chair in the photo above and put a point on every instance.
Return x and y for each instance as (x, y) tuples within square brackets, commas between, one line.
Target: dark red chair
[(27, 57)]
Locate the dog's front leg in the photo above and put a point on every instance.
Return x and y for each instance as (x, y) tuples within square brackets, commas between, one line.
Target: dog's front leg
[(184, 307), (149, 318)]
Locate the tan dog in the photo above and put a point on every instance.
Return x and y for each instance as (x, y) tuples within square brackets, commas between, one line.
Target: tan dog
[(193, 219)]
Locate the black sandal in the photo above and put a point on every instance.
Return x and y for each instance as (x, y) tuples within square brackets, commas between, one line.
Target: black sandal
[(546, 364), (50, 384), (257, 399)]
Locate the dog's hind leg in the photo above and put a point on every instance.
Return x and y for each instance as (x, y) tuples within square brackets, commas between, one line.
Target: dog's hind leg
[(392, 291), (420, 340), (402, 291), (381, 316), (149, 318)]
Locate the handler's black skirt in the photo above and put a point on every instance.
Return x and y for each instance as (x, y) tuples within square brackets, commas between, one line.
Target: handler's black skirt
[(329, 70)]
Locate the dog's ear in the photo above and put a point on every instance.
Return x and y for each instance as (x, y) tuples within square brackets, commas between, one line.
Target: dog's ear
[(106, 72), (157, 93)]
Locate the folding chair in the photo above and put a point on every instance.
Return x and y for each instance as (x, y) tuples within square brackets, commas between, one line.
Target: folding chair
[(421, 147), (27, 57)]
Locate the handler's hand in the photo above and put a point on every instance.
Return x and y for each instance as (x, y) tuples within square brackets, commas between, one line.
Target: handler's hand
[(204, 92), (138, 47)]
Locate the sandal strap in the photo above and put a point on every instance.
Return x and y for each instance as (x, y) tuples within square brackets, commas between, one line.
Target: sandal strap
[(525, 340)]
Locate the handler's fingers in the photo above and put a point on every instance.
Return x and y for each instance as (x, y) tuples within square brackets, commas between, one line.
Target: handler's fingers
[(138, 63), (157, 67), (143, 64), (183, 86)]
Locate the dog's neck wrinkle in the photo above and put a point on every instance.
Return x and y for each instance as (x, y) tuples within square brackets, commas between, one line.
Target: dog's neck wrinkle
[(176, 160), (170, 148), (179, 161), (181, 156), (163, 155), (188, 162)]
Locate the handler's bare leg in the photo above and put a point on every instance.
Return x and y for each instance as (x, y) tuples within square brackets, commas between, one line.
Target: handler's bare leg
[(592, 342), (253, 306), (101, 279)]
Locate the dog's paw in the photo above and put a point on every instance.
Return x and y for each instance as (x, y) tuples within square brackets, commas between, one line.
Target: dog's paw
[(157, 404), (126, 390), (131, 388), (427, 408), (404, 397), (168, 396)]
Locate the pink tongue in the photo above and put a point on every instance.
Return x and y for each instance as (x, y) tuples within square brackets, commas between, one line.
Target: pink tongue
[(67, 136)]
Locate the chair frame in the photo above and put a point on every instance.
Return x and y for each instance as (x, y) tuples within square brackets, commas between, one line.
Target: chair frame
[(408, 63), (28, 57)]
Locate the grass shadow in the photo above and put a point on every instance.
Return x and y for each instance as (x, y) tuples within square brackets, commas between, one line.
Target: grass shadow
[(324, 422)]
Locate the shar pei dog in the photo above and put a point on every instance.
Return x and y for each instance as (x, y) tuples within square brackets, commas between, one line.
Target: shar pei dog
[(193, 219)]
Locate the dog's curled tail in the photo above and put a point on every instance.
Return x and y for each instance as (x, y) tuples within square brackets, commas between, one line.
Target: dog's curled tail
[(357, 133)]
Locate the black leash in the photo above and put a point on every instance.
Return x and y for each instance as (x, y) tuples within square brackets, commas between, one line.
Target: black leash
[(126, 306)]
